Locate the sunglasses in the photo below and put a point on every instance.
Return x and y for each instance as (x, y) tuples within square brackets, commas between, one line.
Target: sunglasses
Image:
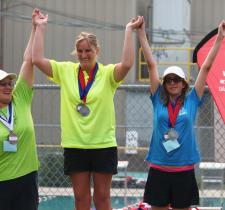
[(5, 84), (169, 80)]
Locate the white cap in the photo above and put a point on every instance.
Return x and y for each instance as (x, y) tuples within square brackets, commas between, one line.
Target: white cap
[(4, 74), (174, 70)]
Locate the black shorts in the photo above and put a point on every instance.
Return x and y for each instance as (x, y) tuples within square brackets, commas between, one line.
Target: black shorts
[(179, 189), (92, 160), (20, 193)]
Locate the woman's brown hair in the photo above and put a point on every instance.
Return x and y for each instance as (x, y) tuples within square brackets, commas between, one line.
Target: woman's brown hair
[(164, 95)]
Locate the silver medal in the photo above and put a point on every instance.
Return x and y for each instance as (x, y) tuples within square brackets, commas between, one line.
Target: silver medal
[(83, 109), (12, 138)]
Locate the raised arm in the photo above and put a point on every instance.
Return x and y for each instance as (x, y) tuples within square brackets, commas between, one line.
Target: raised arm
[(27, 71), (151, 63), (205, 68), (38, 45), (127, 59)]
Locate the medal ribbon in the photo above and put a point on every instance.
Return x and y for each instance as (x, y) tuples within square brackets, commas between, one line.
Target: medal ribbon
[(84, 89), (8, 122), (173, 112)]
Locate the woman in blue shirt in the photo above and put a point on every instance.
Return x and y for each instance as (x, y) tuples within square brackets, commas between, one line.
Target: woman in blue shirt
[(173, 150)]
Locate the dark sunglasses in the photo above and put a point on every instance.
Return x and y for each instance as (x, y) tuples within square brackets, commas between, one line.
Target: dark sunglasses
[(169, 80), (5, 84)]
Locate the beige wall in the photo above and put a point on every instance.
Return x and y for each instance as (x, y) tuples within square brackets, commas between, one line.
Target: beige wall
[(105, 18), (205, 16)]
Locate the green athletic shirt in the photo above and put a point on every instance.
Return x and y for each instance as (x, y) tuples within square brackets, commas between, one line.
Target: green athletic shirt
[(24, 161), (97, 130)]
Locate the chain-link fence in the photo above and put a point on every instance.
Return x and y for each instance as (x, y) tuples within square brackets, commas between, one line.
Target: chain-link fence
[(134, 127)]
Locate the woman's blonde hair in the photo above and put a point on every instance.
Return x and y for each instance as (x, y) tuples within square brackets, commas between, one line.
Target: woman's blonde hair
[(91, 39)]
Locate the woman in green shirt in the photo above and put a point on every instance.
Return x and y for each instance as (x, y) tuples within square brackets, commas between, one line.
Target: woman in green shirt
[(87, 89), (18, 155)]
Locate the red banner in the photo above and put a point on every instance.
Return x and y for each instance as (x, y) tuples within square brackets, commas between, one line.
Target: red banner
[(216, 76)]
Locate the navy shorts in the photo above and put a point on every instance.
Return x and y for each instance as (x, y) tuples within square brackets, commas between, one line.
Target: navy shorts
[(179, 189), (20, 193), (92, 160)]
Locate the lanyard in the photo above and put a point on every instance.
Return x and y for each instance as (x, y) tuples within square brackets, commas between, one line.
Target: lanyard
[(8, 121), (83, 88), (173, 112)]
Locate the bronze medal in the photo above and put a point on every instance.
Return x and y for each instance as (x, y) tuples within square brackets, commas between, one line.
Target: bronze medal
[(173, 134)]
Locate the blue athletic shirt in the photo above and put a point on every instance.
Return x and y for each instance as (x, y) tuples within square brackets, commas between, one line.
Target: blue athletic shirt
[(188, 152)]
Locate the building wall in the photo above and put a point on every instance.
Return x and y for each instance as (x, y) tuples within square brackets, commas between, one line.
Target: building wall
[(106, 18), (172, 17), (170, 23), (205, 16)]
